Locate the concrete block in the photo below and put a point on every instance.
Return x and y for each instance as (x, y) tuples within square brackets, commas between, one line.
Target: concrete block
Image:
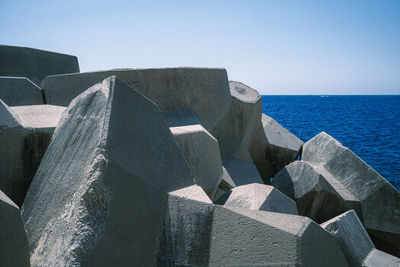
[(379, 200), (204, 91), (352, 237), (201, 152), (236, 129), (242, 237), (240, 172), (258, 197), (34, 64), (99, 197), (273, 147), (14, 249), (380, 258), (20, 91), (25, 132)]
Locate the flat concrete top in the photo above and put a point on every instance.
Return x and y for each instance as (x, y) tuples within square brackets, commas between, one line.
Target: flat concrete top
[(39, 116), (243, 93)]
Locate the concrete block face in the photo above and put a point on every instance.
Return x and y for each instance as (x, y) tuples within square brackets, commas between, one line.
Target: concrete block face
[(201, 152), (258, 197), (380, 258), (20, 91), (379, 201), (262, 238), (352, 237), (101, 188), (204, 91), (34, 64), (273, 147), (240, 172), (24, 136), (235, 130), (14, 249)]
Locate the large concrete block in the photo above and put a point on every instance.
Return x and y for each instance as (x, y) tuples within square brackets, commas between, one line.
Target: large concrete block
[(380, 258), (34, 64), (236, 129), (317, 193), (201, 152), (204, 91), (20, 91), (258, 197), (14, 250), (242, 237), (273, 147), (352, 237), (379, 200), (25, 132), (239, 172), (99, 196)]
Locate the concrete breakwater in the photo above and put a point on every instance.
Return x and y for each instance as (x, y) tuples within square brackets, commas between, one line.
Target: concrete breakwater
[(173, 167)]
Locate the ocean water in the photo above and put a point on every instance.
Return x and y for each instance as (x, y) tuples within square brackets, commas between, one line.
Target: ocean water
[(368, 125)]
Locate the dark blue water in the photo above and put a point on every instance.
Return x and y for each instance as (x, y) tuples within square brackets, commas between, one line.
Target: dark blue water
[(368, 125)]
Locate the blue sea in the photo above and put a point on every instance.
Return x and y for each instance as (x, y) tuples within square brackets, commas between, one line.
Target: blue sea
[(368, 125)]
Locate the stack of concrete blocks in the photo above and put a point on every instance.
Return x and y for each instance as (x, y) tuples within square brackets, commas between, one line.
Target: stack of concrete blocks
[(149, 167), (331, 179)]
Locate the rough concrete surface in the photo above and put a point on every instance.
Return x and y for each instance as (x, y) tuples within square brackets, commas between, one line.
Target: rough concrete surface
[(20, 91)]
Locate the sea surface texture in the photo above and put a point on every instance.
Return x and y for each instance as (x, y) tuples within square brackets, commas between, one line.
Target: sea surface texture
[(368, 125)]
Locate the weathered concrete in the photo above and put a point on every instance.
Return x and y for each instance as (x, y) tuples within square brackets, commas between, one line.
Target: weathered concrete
[(258, 197), (201, 152), (317, 193), (34, 64), (204, 91), (25, 133), (99, 196), (352, 237), (20, 91), (240, 172), (242, 237), (380, 258), (273, 147), (236, 129), (379, 200), (14, 249)]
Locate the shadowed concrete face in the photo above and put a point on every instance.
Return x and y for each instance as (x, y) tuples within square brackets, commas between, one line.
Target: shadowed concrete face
[(25, 132), (99, 196), (14, 249), (20, 91), (34, 64), (204, 91)]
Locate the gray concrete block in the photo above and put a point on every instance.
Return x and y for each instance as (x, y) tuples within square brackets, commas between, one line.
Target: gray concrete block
[(352, 236), (201, 152), (236, 129), (25, 132), (379, 200), (380, 258), (273, 147), (242, 237), (99, 196), (258, 197), (20, 91), (317, 193), (34, 64), (240, 172), (204, 91), (14, 249)]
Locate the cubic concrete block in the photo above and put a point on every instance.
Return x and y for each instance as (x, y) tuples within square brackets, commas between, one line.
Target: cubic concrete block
[(235, 130), (379, 200), (258, 197), (352, 237), (380, 258), (204, 91), (240, 172), (20, 91), (14, 249), (100, 196), (201, 152), (317, 193), (273, 147), (242, 237), (25, 132), (34, 64)]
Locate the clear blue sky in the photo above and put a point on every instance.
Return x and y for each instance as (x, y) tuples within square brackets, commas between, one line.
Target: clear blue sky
[(277, 47)]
